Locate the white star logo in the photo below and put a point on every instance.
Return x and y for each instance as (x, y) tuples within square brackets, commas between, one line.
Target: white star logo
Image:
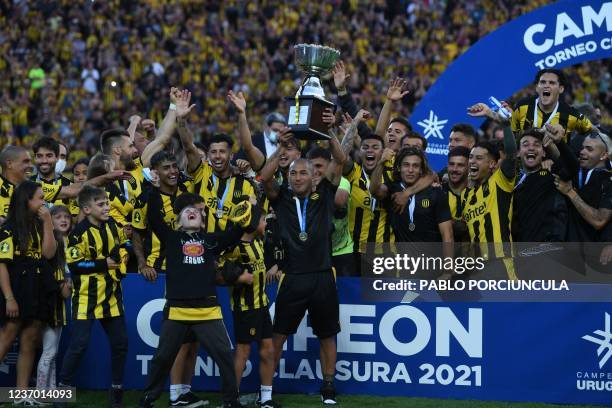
[(604, 351), (432, 126)]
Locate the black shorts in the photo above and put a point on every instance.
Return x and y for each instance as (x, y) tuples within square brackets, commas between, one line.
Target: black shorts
[(252, 325), (190, 337), (315, 292)]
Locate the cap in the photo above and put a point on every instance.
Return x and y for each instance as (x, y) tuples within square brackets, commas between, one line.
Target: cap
[(275, 117)]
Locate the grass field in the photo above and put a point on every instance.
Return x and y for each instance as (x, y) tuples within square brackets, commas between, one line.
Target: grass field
[(98, 399)]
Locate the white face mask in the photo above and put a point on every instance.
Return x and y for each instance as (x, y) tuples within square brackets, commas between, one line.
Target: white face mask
[(272, 136), (60, 166)]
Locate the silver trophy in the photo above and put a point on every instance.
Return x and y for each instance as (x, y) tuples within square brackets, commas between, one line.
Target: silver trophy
[(306, 110)]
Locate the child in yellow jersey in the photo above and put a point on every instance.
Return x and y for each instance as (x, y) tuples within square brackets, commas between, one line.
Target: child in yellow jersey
[(62, 223), (97, 258), (252, 322)]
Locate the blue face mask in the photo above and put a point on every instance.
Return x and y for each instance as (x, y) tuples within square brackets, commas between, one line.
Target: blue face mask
[(272, 136)]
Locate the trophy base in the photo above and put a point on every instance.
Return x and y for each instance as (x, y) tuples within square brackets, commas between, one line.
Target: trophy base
[(305, 117)]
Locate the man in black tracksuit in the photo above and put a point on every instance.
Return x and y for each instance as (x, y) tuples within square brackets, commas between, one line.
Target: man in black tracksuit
[(191, 297)]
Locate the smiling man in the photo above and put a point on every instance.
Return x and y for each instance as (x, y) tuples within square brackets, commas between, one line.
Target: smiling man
[(540, 211), (16, 167), (488, 203), (546, 107)]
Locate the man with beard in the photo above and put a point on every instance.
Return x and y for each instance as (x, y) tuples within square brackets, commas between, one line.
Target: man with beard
[(487, 207), (119, 146), (546, 107), (454, 187), (368, 218), (16, 167), (540, 212), (214, 180), (591, 208), (308, 282), (57, 189)]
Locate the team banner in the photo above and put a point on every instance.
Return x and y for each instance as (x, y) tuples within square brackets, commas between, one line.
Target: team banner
[(549, 352), (555, 36)]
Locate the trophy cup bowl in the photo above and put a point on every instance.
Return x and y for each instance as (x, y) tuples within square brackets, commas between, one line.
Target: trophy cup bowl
[(305, 116), (315, 60)]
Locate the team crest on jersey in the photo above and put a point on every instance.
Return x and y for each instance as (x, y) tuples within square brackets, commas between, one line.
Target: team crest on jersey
[(136, 216), (315, 196), (543, 172), (425, 203), (252, 331), (4, 248), (193, 249), (74, 253)]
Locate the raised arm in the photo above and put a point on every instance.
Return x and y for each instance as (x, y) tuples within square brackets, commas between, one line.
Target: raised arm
[(191, 151), (134, 123), (377, 188), (255, 156), (348, 140), (345, 99), (181, 110), (270, 185), (396, 91), (508, 165)]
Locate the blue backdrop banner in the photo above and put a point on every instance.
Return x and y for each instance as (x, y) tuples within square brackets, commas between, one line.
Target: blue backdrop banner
[(549, 352), (506, 60)]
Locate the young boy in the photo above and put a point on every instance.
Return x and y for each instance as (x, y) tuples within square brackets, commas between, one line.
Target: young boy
[(252, 322), (191, 297), (97, 257)]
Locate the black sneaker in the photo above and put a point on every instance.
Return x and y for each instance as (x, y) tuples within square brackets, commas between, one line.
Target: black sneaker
[(269, 404), (328, 393), (188, 400), (116, 397)]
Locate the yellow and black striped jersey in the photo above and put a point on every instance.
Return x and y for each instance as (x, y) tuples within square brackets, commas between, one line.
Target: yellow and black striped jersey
[(487, 211), (120, 207), (9, 247), (6, 191), (52, 188), (154, 203), (524, 113), (250, 256), (97, 289), (368, 218), (213, 189), (455, 202), (126, 192)]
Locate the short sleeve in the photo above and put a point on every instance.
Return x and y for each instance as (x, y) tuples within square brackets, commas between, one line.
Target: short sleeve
[(354, 174), (583, 124), (75, 250), (6, 245), (503, 182), (345, 185), (201, 172), (443, 213), (139, 215)]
